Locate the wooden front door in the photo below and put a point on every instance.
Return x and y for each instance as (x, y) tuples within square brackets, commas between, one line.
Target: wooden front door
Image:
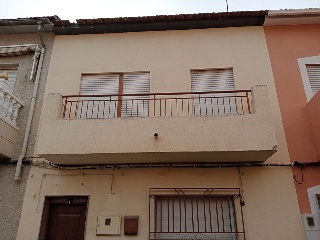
[(66, 218)]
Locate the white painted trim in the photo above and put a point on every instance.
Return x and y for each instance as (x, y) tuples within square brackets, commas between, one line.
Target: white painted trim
[(20, 45), (314, 202), (302, 62), (294, 12)]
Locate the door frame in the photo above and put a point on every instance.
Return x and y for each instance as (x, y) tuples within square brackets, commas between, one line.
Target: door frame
[(59, 200)]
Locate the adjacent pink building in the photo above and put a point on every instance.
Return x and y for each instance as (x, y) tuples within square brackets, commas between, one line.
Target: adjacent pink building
[(293, 44)]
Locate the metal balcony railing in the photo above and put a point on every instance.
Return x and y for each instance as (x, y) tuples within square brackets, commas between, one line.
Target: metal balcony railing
[(157, 104)]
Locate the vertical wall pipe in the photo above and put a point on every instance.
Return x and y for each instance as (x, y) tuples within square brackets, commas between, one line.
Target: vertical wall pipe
[(31, 111)]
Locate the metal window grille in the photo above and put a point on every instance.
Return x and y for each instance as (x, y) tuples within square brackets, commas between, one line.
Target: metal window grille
[(196, 216)]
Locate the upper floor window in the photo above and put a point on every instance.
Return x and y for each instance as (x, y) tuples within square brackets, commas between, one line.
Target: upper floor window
[(114, 98), (12, 71), (213, 81), (313, 71), (310, 74)]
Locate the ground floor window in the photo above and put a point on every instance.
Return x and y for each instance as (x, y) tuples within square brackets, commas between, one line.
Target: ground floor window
[(195, 214)]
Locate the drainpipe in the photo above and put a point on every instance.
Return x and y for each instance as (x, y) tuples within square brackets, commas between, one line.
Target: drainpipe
[(31, 111)]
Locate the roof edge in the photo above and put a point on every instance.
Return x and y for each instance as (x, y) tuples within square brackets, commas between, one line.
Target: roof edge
[(160, 23)]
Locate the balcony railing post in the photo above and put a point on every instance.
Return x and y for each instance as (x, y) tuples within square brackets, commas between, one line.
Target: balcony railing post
[(10, 109), (65, 107), (154, 105), (16, 107), (2, 98), (5, 105), (248, 102)]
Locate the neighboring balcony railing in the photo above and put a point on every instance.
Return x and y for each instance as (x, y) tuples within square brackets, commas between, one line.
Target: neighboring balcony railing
[(157, 104), (9, 104)]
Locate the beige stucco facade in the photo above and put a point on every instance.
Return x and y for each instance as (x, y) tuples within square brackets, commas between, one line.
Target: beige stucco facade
[(181, 139), (271, 209), (264, 192)]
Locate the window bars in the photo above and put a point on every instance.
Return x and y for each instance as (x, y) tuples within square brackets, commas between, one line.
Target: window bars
[(196, 213)]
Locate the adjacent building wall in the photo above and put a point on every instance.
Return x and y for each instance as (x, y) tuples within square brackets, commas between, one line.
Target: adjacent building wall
[(11, 199), (24, 87), (12, 192), (313, 111), (286, 44)]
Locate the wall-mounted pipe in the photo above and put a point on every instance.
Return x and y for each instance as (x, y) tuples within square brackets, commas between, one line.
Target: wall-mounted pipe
[(30, 117), (176, 165), (38, 66), (40, 25)]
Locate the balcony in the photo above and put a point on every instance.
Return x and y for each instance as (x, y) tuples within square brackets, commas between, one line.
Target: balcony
[(9, 107), (216, 127)]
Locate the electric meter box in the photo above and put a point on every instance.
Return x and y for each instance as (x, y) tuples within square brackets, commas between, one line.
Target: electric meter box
[(109, 225)]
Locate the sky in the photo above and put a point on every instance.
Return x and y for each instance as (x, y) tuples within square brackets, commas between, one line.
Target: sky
[(79, 9)]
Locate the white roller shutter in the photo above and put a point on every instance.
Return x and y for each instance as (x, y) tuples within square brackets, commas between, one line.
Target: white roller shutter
[(313, 71), (137, 105), (102, 107), (213, 80), (107, 84)]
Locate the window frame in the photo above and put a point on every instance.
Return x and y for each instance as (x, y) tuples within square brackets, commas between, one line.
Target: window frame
[(303, 62), (214, 79), (213, 194), (314, 196), (120, 95)]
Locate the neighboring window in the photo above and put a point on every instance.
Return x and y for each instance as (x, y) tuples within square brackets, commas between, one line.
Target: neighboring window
[(114, 102), (213, 80), (196, 213), (310, 74), (313, 71), (314, 200), (12, 70)]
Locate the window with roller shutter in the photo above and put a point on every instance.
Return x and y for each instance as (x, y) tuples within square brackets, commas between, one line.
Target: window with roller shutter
[(313, 71), (213, 80), (117, 85), (310, 75)]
